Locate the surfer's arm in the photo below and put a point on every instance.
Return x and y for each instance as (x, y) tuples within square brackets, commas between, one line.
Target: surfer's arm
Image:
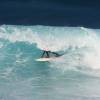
[(57, 55)]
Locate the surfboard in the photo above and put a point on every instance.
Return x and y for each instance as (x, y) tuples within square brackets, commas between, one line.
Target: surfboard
[(45, 59)]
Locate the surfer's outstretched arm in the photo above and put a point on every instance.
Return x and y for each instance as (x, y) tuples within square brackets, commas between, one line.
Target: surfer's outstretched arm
[(57, 55)]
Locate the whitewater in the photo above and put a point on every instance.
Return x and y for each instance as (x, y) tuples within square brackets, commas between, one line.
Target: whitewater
[(75, 76)]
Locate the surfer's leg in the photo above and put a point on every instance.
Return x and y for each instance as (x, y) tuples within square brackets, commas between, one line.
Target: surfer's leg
[(47, 54), (43, 54)]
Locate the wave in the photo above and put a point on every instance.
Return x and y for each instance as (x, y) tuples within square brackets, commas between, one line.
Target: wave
[(54, 38), (81, 45)]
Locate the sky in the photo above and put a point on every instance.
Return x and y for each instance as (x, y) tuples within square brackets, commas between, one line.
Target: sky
[(50, 12)]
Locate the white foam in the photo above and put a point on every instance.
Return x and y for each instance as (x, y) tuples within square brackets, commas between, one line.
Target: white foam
[(59, 39)]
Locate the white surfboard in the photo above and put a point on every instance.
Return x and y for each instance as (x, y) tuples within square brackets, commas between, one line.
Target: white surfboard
[(46, 59)]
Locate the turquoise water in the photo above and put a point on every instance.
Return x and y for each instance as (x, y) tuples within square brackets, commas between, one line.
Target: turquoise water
[(75, 76)]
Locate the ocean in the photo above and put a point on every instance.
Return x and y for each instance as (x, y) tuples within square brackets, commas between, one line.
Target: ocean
[(70, 28), (75, 76)]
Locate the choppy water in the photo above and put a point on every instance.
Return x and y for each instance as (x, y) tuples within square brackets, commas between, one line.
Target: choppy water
[(76, 76)]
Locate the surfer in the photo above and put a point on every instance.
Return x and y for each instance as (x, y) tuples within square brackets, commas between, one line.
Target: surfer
[(47, 53)]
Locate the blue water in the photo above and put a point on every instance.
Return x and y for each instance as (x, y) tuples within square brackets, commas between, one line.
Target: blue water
[(75, 76)]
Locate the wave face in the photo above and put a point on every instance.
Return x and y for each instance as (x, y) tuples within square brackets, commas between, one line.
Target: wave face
[(75, 75)]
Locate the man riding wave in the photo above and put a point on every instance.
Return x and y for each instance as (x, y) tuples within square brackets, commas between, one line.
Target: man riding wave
[(47, 53)]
